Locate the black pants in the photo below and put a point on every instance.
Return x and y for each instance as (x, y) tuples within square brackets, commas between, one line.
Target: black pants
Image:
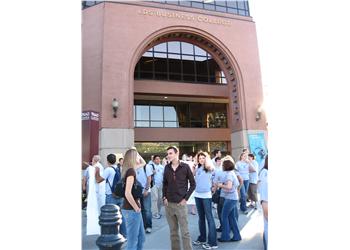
[(219, 208)]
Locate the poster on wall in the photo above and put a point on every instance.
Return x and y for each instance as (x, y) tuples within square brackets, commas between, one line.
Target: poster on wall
[(257, 146)]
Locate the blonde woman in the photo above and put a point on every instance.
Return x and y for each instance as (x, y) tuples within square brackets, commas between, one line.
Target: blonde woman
[(131, 207)]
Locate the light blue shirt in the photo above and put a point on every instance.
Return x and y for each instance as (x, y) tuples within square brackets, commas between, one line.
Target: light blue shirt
[(203, 180), (253, 176), (141, 175), (263, 185), (243, 169), (231, 194), (108, 174), (218, 176), (158, 176)]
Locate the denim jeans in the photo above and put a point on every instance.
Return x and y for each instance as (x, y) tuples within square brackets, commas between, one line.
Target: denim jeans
[(219, 209), (229, 222), (146, 205), (135, 231), (110, 199), (243, 199), (205, 212)]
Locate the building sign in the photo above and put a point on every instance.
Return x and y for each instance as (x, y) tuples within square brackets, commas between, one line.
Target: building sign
[(257, 146), (90, 115), (188, 17)]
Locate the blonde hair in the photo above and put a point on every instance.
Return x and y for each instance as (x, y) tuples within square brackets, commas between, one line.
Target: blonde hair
[(228, 157), (129, 160)]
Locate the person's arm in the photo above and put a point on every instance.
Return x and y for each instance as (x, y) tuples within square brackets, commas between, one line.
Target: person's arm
[(252, 168), (165, 187), (98, 177), (84, 183), (190, 177), (264, 205), (128, 195), (140, 161), (240, 180), (226, 186)]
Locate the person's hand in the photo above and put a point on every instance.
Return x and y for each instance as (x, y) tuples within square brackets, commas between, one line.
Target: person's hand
[(183, 202), (165, 202), (145, 193), (137, 210), (97, 170)]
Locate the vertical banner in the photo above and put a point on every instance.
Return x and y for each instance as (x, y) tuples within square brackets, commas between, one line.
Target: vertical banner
[(257, 146)]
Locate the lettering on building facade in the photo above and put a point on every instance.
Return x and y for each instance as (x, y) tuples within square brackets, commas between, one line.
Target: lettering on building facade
[(188, 17)]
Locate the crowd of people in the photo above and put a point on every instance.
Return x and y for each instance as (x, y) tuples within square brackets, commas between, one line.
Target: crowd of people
[(196, 184)]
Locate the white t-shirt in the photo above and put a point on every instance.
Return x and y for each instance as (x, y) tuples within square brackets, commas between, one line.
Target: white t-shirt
[(158, 176), (263, 185), (141, 175), (243, 169), (108, 174), (253, 176), (99, 187)]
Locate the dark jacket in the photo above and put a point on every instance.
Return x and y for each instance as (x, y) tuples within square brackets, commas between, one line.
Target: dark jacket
[(175, 184)]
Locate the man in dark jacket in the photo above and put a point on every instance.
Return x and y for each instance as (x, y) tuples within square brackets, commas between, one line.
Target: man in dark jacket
[(176, 192)]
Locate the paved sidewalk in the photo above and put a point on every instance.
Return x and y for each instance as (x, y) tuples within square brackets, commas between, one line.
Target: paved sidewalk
[(251, 226)]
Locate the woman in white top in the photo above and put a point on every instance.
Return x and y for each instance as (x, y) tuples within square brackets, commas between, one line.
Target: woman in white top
[(203, 198), (263, 183)]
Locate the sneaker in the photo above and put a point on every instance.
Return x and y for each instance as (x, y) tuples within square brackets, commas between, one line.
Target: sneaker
[(197, 242), (148, 230), (207, 246), (234, 240), (219, 229), (245, 212)]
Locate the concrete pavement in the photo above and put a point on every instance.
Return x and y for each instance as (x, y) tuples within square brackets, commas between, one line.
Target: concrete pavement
[(251, 226)]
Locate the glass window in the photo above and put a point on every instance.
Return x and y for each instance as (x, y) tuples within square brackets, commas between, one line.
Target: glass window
[(142, 124), (173, 2), (197, 4), (232, 4), (148, 54), (188, 58), (142, 113), (242, 12), (146, 64), (174, 56), (233, 11), (174, 47), (241, 5), (221, 3), (184, 62), (159, 55), (170, 125), (209, 6), (187, 48), (174, 66), (169, 114), (160, 47), (156, 124), (185, 3), (199, 52), (221, 9), (156, 113)]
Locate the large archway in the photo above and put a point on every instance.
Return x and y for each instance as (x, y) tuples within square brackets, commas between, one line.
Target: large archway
[(219, 52)]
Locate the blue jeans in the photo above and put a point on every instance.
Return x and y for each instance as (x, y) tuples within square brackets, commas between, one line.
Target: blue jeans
[(265, 235), (146, 210), (110, 199), (205, 211), (229, 222), (243, 191), (135, 231)]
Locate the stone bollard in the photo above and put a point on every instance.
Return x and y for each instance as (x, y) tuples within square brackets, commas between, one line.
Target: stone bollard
[(110, 220)]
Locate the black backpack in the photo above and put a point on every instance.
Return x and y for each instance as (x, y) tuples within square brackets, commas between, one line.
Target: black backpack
[(152, 176), (116, 179)]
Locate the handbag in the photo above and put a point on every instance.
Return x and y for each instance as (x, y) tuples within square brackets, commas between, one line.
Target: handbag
[(136, 189)]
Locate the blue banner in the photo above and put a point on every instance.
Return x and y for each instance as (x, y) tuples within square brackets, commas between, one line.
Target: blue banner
[(257, 146)]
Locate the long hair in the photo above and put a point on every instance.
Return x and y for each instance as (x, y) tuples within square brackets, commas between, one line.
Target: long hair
[(208, 161), (129, 160), (266, 165)]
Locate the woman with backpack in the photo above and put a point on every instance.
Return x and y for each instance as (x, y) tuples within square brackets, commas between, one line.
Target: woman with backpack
[(131, 207)]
